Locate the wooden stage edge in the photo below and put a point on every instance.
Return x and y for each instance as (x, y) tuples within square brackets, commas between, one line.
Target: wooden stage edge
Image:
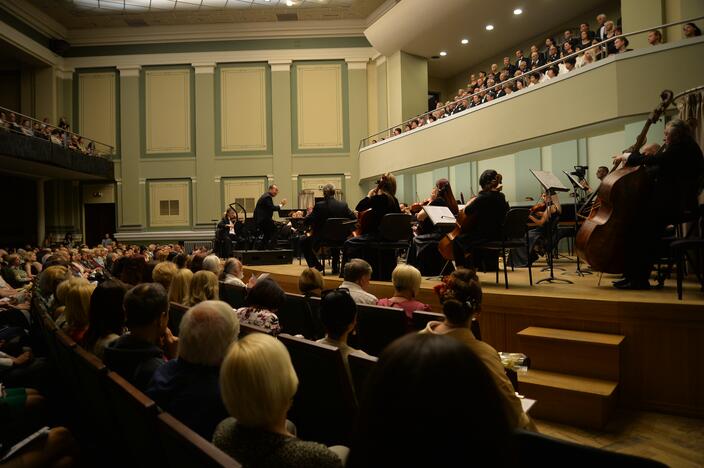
[(662, 364)]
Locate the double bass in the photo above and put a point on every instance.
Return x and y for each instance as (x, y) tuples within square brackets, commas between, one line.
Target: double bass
[(602, 237)]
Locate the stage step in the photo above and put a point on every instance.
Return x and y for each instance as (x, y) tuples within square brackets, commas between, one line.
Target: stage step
[(570, 399), (595, 355)]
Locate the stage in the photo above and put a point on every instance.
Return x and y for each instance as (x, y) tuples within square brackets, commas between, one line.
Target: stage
[(662, 355)]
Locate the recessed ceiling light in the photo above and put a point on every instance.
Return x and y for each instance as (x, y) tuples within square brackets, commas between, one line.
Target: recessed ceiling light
[(464, 41), (443, 53), (289, 3), (489, 27), (517, 11)]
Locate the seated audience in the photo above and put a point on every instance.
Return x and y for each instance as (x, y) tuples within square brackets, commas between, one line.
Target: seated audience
[(188, 387), (204, 287), (258, 384), (461, 299), (654, 37), (406, 280), (180, 286), (212, 263), (137, 354), (106, 316), (263, 301), (133, 269), (163, 273), (398, 421), (357, 275), (310, 282), (232, 272), (691, 30), (338, 312), (14, 272), (76, 311)]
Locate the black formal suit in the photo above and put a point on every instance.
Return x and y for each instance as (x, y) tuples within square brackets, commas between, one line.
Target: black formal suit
[(322, 211), (263, 217), (227, 241)]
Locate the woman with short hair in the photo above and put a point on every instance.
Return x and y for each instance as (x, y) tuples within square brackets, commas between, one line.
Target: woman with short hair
[(263, 301), (258, 383), (406, 280)]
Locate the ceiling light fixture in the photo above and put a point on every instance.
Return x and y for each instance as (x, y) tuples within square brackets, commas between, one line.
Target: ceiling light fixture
[(289, 3), (464, 41), (443, 53), (489, 27), (517, 11)]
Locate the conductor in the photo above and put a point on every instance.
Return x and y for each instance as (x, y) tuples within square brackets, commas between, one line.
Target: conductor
[(263, 213)]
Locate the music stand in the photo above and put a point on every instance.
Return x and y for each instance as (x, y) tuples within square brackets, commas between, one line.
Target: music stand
[(550, 185), (577, 186), (441, 217)]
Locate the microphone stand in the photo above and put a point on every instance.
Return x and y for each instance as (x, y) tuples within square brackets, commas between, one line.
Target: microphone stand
[(576, 190)]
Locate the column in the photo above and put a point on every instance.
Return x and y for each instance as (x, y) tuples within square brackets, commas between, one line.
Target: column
[(64, 95), (207, 200), (282, 166), (357, 85), (676, 10), (637, 15), (45, 94), (407, 85), (41, 212), (131, 193)]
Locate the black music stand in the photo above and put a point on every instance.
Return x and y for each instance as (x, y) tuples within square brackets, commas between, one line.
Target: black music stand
[(579, 190), (550, 185), (441, 217)]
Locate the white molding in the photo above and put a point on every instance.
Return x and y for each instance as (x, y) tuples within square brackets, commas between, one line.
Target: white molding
[(380, 59), (193, 179), (27, 45), (294, 177), (219, 32), (204, 68), (280, 65), (216, 180), (205, 234), (270, 179), (128, 62), (35, 18), (129, 71), (142, 181), (380, 11), (357, 63), (64, 74), (348, 175)]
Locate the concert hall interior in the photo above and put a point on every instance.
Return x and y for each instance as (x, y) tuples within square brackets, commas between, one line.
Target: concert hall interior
[(292, 233)]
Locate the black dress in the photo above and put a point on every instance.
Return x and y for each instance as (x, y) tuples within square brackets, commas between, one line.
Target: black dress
[(489, 209), (424, 253)]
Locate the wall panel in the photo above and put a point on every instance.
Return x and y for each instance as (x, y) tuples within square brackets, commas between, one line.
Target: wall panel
[(319, 114), (244, 109), (169, 203), (97, 101), (245, 191), (168, 111)]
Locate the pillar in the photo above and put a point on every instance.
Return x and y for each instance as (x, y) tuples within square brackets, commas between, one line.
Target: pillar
[(282, 166), (41, 212), (207, 194), (45, 94), (676, 10), (130, 192), (357, 86), (407, 86)]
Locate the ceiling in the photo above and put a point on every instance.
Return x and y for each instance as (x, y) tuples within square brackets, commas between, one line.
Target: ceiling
[(441, 25), (87, 14)]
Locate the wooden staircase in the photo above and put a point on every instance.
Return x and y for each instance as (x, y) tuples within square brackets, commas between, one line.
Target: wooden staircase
[(574, 375)]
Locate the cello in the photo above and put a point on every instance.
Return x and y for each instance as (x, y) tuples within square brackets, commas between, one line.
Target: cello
[(601, 239)]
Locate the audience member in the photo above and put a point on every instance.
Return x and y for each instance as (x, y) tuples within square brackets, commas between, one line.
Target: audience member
[(188, 387), (406, 280), (263, 301), (398, 420), (76, 311), (232, 272), (212, 263), (310, 282), (691, 30), (163, 273), (106, 316), (180, 286), (137, 354), (357, 277), (258, 384), (338, 313), (654, 37), (204, 287)]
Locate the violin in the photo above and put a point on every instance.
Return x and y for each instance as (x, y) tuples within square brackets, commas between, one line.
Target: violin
[(364, 218), (418, 206)]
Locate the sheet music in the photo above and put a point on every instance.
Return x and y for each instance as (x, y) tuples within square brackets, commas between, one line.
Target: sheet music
[(549, 181), (440, 215)]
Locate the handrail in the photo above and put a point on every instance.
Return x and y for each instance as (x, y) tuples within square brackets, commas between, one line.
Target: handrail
[(109, 150), (599, 45)]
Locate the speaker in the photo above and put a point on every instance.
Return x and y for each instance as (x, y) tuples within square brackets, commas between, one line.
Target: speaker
[(264, 257)]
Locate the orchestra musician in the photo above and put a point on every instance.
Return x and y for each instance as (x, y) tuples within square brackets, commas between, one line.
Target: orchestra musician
[(676, 173), (379, 202), (227, 233), (487, 211), (547, 209), (327, 208), (264, 212), (423, 253)]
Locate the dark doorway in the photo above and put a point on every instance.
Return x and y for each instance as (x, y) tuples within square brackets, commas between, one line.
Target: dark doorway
[(19, 227), (100, 220), (433, 99)]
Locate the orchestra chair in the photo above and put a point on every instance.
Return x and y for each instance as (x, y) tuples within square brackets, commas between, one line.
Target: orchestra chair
[(514, 234), (233, 294), (176, 313), (324, 407), (360, 367), (395, 235), (333, 235), (681, 249), (378, 326), (534, 449), (299, 315), (183, 447)]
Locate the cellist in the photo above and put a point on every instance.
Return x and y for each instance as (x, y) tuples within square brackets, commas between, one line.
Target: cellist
[(676, 173), (486, 214)]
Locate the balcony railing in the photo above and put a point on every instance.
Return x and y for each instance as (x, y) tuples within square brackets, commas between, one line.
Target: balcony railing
[(599, 48)]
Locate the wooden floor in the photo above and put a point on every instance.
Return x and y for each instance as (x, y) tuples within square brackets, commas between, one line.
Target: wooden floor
[(674, 440)]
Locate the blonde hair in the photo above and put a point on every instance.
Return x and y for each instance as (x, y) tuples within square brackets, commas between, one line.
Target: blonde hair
[(204, 287), (180, 285), (257, 380), (50, 279), (206, 332), (310, 280), (78, 304), (163, 273), (406, 278)]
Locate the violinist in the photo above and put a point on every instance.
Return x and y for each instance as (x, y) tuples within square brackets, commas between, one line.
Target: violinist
[(423, 253), (547, 209), (486, 212), (676, 173), (380, 201), (227, 233)]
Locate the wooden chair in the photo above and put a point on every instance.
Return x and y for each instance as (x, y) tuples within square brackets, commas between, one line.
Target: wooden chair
[(297, 317), (360, 368), (184, 448), (378, 326), (176, 313), (233, 294), (246, 329), (324, 407), (421, 318), (134, 415)]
